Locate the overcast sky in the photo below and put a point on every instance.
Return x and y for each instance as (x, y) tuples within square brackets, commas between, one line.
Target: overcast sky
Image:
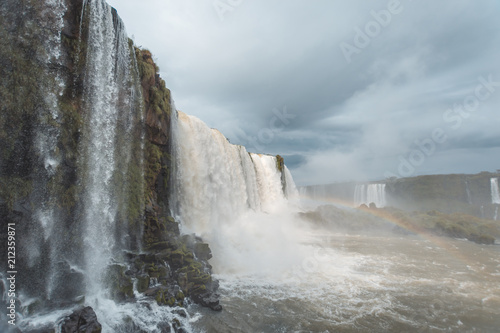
[(344, 90)]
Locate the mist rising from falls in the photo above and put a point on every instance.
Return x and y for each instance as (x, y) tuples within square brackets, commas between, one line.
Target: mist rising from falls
[(225, 194), (371, 193), (495, 192)]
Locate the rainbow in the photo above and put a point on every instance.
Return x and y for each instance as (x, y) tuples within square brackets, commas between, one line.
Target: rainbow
[(441, 242)]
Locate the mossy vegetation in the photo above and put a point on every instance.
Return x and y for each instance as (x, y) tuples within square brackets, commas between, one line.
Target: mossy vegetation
[(280, 163), (157, 96), (13, 189), (21, 94), (456, 226), (456, 193), (119, 284), (161, 235), (30, 74)]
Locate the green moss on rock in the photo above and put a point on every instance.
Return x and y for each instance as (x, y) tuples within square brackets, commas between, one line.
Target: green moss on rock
[(280, 163), (143, 283), (120, 285)]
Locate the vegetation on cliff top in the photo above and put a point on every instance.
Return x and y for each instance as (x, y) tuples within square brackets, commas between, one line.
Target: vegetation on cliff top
[(372, 220), (188, 272)]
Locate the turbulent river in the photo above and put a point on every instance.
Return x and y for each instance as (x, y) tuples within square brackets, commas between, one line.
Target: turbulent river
[(355, 283), (279, 273)]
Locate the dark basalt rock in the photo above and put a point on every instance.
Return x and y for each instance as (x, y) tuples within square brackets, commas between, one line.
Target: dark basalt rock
[(82, 320), (209, 300), (202, 251), (69, 285)]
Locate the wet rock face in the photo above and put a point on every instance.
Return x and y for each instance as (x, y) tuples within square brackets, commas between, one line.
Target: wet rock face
[(209, 298), (172, 270), (173, 266), (83, 320), (169, 267)]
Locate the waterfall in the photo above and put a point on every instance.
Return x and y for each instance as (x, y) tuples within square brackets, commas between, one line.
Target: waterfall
[(216, 181), (360, 194), (467, 191), (495, 192), (316, 192), (82, 193), (217, 184), (371, 193), (110, 100), (291, 191)]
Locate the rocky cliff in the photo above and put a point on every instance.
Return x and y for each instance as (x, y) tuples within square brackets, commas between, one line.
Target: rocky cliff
[(86, 165)]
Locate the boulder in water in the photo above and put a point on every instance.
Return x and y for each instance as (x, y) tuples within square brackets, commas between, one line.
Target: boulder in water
[(82, 320)]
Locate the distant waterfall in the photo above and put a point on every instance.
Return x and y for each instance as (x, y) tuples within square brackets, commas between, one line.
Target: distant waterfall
[(291, 191), (467, 191), (371, 193), (316, 192), (495, 192), (216, 182)]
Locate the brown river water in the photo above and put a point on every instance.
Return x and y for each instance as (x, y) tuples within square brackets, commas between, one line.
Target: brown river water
[(359, 283)]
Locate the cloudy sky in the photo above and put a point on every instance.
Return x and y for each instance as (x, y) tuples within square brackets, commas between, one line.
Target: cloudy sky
[(344, 90)]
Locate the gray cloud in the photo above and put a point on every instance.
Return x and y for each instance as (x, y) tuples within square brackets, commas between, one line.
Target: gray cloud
[(353, 120)]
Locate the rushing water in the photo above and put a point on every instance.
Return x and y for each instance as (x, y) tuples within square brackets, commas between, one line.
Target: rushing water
[(354, 283), (279, 274), (112, 103), (217, 182)]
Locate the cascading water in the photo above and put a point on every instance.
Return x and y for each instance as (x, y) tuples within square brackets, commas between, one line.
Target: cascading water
[(360, 194), (371, 193), (216, 182), (73, 252), (316, 192), (291, 191), (223, 193), (495, 192), (110, 101)]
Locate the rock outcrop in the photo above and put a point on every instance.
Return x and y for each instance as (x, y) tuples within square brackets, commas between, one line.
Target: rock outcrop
[(83, 320)]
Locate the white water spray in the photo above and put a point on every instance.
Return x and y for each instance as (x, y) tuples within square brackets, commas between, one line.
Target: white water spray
[(234, 199), (216, 182), (109, 108)]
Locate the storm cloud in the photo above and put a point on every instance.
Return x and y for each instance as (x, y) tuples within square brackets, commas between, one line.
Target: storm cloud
[(343, 90)]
